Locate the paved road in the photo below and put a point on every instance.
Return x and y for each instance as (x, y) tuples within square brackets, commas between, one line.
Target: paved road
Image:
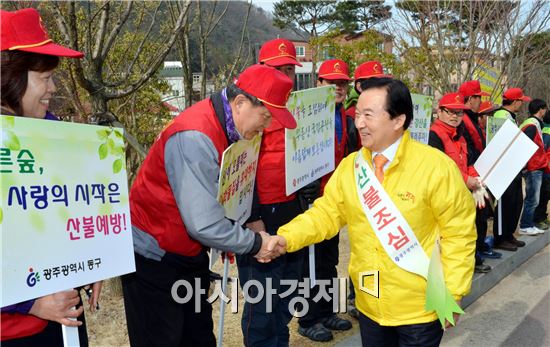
[(516, 312)]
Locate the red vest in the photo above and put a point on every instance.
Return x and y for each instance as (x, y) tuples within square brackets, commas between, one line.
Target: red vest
[(538, 161), (474, 134), (350, 111), (16, 325), (339, 148), (270, 175), (457, 149), (152, 203)]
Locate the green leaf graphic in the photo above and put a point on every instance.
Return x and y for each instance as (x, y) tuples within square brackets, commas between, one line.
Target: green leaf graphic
[(103, 151), (119, 134), (117, 166), (103, 134), (8, 122), (112, 146), (10, 140)]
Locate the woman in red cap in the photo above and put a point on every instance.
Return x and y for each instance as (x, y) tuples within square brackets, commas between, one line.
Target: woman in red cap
[(29, 58)]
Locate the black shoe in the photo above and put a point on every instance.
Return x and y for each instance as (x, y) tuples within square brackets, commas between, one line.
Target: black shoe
[(506, 245), (336, 323), (352, 310), (490, 254), (482, 268), (517, 242), (316, 333)]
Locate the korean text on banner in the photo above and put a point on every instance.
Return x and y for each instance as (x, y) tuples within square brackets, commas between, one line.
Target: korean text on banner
[(422, 117), (64, 212), (504, 157), (309, 149), (236, 184)]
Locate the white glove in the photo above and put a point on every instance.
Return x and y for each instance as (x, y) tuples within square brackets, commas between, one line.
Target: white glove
[(480, 195)]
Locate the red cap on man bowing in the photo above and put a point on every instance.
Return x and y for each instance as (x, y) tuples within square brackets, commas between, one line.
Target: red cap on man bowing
[(272, 88), (23, 30), (334, 69), (278, 52)]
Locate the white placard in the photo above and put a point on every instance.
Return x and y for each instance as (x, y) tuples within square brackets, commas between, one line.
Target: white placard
[(505, 156), (422, 117), (309, 149)]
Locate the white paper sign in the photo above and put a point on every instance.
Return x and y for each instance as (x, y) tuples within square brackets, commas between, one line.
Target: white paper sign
[(505, 156), (309, 149)]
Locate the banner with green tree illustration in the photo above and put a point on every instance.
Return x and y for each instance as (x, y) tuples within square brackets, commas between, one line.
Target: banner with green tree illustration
[(64, 212), (309, 149)]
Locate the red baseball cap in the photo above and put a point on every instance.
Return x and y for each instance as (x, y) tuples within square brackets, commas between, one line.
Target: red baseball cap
[(334, 69), (486, 106), (453, 101), (471, 88), (278, 52), (370, 69), (272, 88), (515, 94), (23, 30)]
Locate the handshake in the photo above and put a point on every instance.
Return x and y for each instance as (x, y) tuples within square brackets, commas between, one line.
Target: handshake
[(273, 246)]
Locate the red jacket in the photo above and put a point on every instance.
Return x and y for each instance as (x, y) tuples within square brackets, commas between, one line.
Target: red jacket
[(474, 134), (270, 175), (538, 161), (16, 325), (455, 147), (152, 204)]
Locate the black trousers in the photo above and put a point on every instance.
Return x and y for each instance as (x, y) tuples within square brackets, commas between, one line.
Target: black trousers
[(326, 260), (260, 327), (482, 215), (51, 336), (154, 318), (417, 335), (512, 203), (541, 212)]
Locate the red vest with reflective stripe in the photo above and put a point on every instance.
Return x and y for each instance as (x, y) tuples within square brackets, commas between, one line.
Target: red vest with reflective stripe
[(270, 175), (474, 134), (350, 111), (152, 203), (457, 150), (16, 325), (538, 161)]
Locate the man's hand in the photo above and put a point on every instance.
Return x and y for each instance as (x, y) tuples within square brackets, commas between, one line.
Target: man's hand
[(59, 307), (94, 298), (473, 183), (272, 247), (480, 195), (448, 324), (308, 194)]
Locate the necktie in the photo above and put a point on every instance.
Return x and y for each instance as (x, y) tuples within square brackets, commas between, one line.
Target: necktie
[(379, 162)]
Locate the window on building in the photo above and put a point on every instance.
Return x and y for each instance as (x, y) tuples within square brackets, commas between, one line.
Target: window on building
[(196, 78), (300, 51)]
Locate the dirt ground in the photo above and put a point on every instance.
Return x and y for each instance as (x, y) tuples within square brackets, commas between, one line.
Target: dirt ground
[(107, 327)]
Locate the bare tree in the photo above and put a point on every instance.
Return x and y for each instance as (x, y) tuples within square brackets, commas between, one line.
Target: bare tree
[(446, 42), (98, 29)]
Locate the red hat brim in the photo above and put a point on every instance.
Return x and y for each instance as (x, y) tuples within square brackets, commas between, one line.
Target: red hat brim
[(53, 49), (282, 115), (526, 98), (455, 106), (373, 76), (335, 76), (280, 61), (482, 93)]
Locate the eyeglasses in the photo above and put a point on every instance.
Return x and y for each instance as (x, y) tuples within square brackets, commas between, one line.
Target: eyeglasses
[(458, 113)]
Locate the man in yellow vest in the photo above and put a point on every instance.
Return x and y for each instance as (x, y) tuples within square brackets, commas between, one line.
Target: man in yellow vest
[(401, 200)]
